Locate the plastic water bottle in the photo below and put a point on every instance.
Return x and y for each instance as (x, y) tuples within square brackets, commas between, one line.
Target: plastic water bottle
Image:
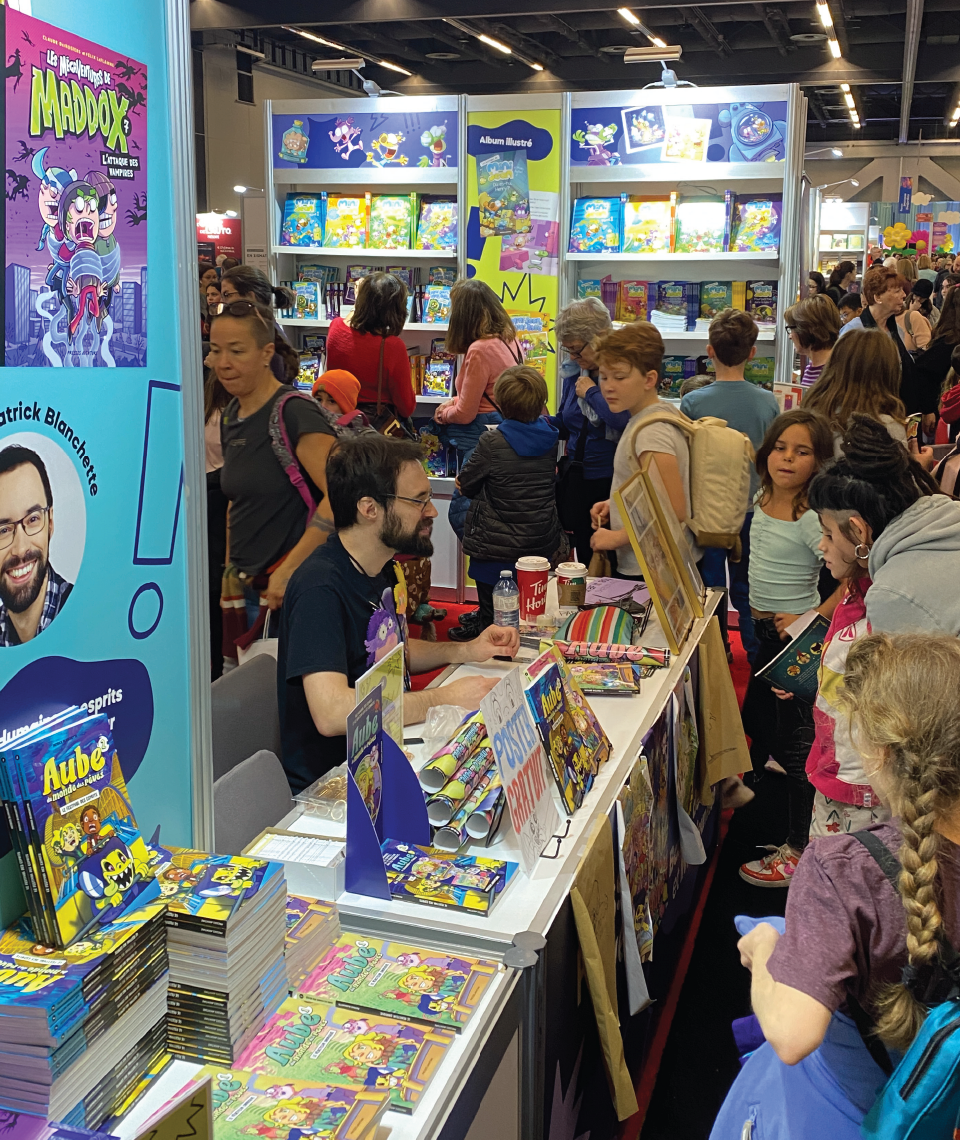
[(506, 601)]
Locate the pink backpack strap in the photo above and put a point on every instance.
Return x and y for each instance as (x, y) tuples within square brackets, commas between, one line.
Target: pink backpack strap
[(284, 450)]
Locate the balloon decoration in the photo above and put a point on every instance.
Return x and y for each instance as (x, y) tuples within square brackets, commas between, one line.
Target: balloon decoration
[(897, 237)]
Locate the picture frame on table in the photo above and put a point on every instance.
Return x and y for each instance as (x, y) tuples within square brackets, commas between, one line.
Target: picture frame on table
[(678, 546), (650, 542)]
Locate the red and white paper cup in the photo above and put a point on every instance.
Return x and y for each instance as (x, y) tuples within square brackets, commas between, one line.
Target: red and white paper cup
[(532, 575)]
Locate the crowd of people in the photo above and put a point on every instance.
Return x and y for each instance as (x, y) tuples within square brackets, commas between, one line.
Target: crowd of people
[(845, 517)]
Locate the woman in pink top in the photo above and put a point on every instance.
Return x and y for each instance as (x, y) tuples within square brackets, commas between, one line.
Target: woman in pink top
[(483, 333)]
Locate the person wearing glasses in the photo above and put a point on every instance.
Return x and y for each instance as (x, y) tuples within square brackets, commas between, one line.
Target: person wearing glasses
[(32, 593), (584, 420), (813, 325), (246, 283), (344, 607)]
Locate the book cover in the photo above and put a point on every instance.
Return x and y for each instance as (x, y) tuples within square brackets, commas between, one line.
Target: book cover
[(633, 299), (436, 305), (438, 377), (686, 140), (314, 1041), (715, 296), (441, 275), (391, 220), (437, 878), (596, 225), (674, 297), (251, 1104), (346, 222), (302, 220), (761, 370), (700, 225), (795, 669), (756, 224), (412, 983), (607, 680), (760, 301), (637, 803), (210, 888), (588, 287), (503, 193), (569, 758), (305, 917), (648, 224), (674, 372), (437, 229), (307, 303), (594, 739)]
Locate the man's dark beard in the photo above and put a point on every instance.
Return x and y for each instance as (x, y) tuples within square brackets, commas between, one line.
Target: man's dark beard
[(22, 598), (393, 536)]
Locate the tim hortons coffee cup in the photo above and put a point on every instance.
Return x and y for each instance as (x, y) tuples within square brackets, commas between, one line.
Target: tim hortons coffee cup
[(532, 575), (571, 585)]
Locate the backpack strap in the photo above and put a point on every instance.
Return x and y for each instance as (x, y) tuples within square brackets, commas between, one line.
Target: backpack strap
[(881, 855), (283, 447)]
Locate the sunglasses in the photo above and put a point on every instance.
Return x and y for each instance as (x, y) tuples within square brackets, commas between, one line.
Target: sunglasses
[(239, 309)]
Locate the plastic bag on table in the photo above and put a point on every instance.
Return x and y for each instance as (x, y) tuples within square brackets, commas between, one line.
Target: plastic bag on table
[(441, 723)]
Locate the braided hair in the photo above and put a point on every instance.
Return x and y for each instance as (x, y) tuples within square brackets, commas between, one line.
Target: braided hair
[(875, 478), (900, 695)]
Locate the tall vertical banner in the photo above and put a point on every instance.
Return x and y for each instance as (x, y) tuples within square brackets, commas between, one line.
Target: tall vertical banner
[(93, 577), (513, 216)]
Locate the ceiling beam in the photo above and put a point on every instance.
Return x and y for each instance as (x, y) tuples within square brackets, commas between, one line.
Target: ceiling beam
[(911, 45), (708, 33), (436, 30), (533, 48), (571, 34), (779, 42), (393, 45)]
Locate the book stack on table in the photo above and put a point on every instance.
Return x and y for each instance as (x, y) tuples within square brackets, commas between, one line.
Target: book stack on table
[(312, 928)]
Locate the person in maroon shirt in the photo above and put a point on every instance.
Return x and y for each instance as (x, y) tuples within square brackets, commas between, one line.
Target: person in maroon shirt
[(848, 932), (370, 347)]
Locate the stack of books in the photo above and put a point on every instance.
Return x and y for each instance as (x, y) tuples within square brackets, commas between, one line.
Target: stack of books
[(226, 921), (312, 928)]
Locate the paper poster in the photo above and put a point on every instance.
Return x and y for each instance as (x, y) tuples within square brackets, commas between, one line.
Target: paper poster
[(364, 725), (76, 201), (388, 672), (522, 765)]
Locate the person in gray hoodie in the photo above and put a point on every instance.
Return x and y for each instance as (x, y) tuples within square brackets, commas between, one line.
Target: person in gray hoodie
[(904, 528)]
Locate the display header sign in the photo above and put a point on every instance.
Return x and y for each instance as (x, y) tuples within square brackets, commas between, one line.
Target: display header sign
[(221, 233), (666, 133), (370, 139)]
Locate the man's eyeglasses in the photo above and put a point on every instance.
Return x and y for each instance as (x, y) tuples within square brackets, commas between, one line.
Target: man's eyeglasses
[(32, 523), (421, 503)]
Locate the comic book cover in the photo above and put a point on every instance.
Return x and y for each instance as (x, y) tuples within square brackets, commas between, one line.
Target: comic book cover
[(636, 800), (436, 304), (437, 228), (93, 860), (412, 983), (438, 377), (701, 224), (761, 371), (391, 218), (437, 878), (307, 303), (648, 224), (607, 679), (346, 222), (755, 226), (761, 301), (76, 201), (594, 739), (632, 300), (209, 889), (571, 759), (314, 1041), (503, 193), (715, 296), (302, 220), (441, 275), (596, 225), (251, 1104)]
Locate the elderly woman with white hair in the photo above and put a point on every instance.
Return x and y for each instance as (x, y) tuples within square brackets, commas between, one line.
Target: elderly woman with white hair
[(591, 430)]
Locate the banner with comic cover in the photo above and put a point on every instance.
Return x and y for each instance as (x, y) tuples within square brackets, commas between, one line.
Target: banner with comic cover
[(75, 281)]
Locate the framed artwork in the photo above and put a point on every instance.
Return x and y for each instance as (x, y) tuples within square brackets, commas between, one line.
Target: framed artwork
[(678, 546), (650, 544)]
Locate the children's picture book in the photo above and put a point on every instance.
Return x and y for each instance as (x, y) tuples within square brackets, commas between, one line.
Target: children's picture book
[(328, 1044), (648, 224), (307, 372), (441, 275), (702, 224), (364, 731), (678, 298), (391, 221), (674, 370), (390, 672), (715, 296), (438, 377), (596, 226), (607, 680), (761, 371), (532, 252), (642, 127), (434, 451), (685, 139), (412, 983), (569, 758), (437, 227), (346, 222), (755, 227), (437, 878), (251, 1104), (588, 287), (436, 305), (503, 193), (307, 303), (795, 668), (761, 301), (204, 891), (303, 220), (633, 299), (677, 546)]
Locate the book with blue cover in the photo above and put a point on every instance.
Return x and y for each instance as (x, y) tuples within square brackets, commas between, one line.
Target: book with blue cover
[(795, 669), (303, 220), (503, 193), (439, 878), (597, 225)]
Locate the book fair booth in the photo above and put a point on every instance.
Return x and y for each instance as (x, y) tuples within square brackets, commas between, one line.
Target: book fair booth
[(164, 965)]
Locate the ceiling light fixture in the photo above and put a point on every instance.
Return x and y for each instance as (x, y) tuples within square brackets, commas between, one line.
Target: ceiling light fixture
[(848, 99), (394, 67), (834, 47), (628, 16), (491, 42), (844, 87), (348, 51), (823, 11)]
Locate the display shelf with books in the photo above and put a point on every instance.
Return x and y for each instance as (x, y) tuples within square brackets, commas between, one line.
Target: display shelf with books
[(410, 326), (362, 253)]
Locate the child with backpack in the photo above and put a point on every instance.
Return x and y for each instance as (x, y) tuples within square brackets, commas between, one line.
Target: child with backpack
[(864, 959), (785, 563)]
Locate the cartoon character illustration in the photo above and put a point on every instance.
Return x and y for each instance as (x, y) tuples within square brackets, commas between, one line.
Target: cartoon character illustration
[(342, 137), (53, 181), (596, 140), (295, 142), (66, 843), (79, 219), (175, 881), (369, 779), (385, 150), (434, 139), (106, 244), (383, 630), (107, 876), (289, 1119), (90, 825), (280, 1092)]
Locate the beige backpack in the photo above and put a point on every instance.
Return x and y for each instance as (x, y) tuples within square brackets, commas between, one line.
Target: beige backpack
[(721, 460)]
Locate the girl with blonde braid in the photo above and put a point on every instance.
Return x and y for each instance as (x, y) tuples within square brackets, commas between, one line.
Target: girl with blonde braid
[(851, 943)]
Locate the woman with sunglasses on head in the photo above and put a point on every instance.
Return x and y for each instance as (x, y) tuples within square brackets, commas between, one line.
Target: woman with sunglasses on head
[(246, 283), (270, 529), (583, 418)]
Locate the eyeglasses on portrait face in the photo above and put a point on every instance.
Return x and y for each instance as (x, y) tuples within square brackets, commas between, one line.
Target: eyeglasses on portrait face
[(31, 524)]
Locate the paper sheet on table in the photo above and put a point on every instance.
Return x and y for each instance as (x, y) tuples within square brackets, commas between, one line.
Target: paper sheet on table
[(187, 1116), (593, 901), (389, 670), (724, 745), (638, 996)]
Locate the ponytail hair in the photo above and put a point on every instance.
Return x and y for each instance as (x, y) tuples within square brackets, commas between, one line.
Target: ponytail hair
[(899, 693), (253, 285), (265, 330)]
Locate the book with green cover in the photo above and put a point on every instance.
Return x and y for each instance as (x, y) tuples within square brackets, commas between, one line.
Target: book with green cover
[(795, 669), (701, 224), (391, 219)]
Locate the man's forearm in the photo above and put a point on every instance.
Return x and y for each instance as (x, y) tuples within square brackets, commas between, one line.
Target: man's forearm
[(318, 531), (428, 655), (417, 705)]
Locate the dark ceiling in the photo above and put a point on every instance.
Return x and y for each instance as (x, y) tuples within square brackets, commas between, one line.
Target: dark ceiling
[(580, 46)]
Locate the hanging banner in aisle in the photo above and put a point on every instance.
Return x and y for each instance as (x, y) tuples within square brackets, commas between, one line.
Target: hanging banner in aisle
[(513, 230), (93, 578), (906, 195), (76, 202), (670, 132), (324, 142)]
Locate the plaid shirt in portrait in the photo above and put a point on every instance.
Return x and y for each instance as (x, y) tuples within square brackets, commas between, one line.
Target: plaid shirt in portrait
[(58, 590)]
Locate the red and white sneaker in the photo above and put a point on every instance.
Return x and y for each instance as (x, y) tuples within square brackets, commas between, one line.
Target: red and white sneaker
[(773, 870)]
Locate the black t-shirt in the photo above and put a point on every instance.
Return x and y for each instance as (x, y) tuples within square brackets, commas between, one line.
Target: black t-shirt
[(334, 619), (267, 513)]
